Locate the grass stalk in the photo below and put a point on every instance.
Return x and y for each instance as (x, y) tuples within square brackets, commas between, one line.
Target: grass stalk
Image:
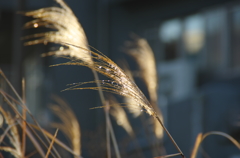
[(26, 108), (57, 141), (27, 131), (30, 154), (69, 124), (201, 137), (50, 147), (125, 86), (109, 129), (24, 117), (106, 111), (118, 83), (108, 145), (115, 145), (171, 138), (67, 26), (166, 156)]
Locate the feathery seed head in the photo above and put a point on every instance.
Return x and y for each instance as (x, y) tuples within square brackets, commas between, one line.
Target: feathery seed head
[(70, 34), (140, 50), (66, 28)]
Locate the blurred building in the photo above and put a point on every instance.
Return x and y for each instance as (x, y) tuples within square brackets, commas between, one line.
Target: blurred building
[(197, 49)]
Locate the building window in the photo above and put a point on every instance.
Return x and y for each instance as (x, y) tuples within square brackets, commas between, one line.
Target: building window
[(194, 34), (170, 34)]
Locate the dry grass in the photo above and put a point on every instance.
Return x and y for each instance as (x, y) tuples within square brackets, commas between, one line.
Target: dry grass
[(57, 18), (140, 50), (12, 134), (65, 28), (201, 137), (15, 123), (135, 111), (118, 113), (69, 126), (67, 31), (142, 53), (118, 82), (51, 144)]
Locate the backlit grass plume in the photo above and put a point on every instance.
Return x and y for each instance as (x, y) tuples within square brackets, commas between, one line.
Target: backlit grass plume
[(135, 111), (140, 50), (118, 113), (142, 53), (66, 34), (66, 28), (118, 83), (69, 126)]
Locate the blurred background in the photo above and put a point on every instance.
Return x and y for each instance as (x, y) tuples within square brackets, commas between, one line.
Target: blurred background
[(197, 50)]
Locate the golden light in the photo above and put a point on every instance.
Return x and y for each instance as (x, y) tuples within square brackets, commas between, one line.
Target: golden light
[(35, 25)]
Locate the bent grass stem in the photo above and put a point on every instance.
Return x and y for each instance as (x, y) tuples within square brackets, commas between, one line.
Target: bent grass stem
[(171, 138)]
